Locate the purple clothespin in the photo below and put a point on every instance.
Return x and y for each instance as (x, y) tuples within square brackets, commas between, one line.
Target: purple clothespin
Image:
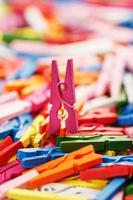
[(10, 170), (62, 94)]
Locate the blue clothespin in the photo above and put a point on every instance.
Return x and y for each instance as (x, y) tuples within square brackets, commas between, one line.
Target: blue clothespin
[(125, 120), (9, 128), (28, 69), (15, 125), (92, 68), (128, 22), (119, 160), (111, 189), (128, 109), (32, 157)]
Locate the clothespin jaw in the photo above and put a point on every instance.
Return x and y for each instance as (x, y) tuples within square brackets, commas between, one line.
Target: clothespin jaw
[(62, 94)]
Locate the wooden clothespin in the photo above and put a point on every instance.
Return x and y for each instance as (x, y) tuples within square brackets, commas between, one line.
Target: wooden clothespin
[(65, 166), (62, 96), (10, 170)]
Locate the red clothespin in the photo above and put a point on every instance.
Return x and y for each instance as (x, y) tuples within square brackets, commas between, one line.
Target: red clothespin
[(96, 129), (99, 115), (6, 142), (107, 172), (129, 197), (62, 94), (9, 151)]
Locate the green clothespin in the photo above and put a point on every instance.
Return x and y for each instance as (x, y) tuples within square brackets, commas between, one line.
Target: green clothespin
[(122, 100), (129, 188), (22, 34), (100, 143)]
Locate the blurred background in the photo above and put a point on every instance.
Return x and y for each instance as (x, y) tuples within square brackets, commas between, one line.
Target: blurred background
[(36, 31)]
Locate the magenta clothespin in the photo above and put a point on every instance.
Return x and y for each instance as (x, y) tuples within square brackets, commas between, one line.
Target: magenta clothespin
[(62, 93), (10, 170)]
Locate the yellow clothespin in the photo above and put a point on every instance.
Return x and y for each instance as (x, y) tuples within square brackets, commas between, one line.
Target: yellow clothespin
[(13, 158), (79, 106), (20, 84), (3, 9), (33, 135), (31, 88), (77, 182), (22, 194), (110, 153)]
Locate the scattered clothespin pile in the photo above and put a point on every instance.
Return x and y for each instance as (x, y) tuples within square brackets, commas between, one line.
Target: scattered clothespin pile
[(66, 100)]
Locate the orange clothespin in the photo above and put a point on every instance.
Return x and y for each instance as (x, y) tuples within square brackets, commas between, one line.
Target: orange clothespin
[(65, 166), (25, 86)]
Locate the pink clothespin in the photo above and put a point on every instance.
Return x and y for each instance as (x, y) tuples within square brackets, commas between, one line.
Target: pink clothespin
[(10, 170), (119, 195), (129, 131), (113, 67), (103, 82), (62, 94), (8, 97), (38, 98), (85, 92), (130, 58), (108, 30), (117, 76), (127, 53), (13, 109)]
